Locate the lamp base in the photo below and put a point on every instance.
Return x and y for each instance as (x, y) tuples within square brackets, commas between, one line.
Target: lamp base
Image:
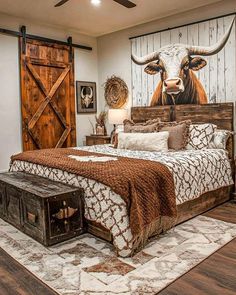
[(113, 134)]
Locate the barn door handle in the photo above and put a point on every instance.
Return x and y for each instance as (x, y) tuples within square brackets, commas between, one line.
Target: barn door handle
[(65, 213)]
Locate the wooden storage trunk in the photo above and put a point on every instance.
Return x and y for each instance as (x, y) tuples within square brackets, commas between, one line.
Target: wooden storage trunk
[(48, 211)]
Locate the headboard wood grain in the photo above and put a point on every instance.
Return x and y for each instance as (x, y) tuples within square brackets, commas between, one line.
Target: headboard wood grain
[(220, 114)]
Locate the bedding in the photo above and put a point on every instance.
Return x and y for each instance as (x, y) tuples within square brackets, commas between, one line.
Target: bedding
[(194, 172), (147, 187), (156, 141)]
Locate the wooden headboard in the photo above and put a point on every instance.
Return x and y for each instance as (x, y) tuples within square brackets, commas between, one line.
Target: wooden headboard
[(220, 114)]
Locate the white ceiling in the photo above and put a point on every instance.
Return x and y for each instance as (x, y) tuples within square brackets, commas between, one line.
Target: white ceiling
[(85, 18)]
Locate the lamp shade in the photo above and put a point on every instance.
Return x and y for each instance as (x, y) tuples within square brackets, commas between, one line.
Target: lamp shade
[(117, 116)]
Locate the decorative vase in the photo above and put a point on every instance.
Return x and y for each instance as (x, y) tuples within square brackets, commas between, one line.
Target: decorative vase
[(100, 130)]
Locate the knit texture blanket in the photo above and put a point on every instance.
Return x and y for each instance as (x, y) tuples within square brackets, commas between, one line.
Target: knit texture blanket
[(146, 186)]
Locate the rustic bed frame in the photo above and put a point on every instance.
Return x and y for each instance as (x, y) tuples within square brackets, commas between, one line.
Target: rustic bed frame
[(220, 114)]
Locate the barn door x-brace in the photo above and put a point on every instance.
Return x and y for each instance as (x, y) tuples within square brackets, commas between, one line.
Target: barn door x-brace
[(47, 94)]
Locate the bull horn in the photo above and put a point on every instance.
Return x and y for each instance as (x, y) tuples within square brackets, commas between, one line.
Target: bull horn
[(91, 92), (145, 59), (82, 93), (211, 50)]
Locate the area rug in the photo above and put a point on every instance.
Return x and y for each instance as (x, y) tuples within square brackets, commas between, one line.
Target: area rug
[(87, 265)]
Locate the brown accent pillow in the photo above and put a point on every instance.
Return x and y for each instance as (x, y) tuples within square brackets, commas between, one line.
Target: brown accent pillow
[(178, 133), (145, 127)]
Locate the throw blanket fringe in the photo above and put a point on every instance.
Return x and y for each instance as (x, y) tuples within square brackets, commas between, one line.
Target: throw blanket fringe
[(161, 225)]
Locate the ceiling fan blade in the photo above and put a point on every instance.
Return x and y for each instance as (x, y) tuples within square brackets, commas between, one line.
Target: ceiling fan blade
[(126, 3), (61, 3)]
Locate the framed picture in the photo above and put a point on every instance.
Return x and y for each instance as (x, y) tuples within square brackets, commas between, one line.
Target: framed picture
[(86, 97)]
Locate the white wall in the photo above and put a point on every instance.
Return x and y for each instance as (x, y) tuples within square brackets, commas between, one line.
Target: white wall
[(114, 50), (10, 114)]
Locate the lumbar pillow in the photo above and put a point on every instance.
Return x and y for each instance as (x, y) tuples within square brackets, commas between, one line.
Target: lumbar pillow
[(178, 133), (200, 136), (145, 127), (157, 142)]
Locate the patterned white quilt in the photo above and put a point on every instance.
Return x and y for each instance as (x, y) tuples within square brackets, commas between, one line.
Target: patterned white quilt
[(194, 172)]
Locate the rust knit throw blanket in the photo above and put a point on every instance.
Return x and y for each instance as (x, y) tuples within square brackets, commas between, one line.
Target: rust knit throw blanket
[(146, 186)]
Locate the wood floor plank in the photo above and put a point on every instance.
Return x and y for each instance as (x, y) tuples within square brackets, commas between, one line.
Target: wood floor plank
[(217, 274), (225, 212), (214, 276), (16, 280)]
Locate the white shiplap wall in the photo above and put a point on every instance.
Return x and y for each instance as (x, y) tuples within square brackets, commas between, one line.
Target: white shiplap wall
[(218, 77)]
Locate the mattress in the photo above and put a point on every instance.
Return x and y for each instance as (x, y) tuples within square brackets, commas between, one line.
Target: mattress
[(194, 173)]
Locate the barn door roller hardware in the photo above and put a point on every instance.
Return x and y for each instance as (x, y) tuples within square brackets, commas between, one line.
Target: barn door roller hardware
[(23, 34), (69, 40)]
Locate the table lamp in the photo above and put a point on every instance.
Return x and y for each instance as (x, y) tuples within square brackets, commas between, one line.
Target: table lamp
[(116, 117)]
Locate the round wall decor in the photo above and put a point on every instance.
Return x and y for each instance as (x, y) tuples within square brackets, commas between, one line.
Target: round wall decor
[(116, 92)]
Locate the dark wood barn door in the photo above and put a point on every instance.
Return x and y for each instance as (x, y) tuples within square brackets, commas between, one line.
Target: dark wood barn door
[(47, 95)]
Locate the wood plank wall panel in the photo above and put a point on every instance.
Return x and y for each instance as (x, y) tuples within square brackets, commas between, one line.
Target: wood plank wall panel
[(142, 114), (218, 77)]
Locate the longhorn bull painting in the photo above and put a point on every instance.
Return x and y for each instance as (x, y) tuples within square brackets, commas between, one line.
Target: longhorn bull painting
[(86, 97), (176, 64)]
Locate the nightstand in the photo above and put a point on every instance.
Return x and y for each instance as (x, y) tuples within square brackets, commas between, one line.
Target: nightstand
[(97, 139)]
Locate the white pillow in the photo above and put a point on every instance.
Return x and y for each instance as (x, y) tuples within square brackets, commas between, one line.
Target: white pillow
[(200, 136), (154, 142), (219, 139)]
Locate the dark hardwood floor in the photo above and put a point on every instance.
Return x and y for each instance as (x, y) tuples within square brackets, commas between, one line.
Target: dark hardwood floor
[(217, 274), (214, 276), (16, 280)]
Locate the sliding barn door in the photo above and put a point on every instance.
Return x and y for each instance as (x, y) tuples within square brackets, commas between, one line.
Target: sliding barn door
[(47, 95)]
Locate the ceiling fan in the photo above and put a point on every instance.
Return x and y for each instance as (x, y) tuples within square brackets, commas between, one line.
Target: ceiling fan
[(126, 3)]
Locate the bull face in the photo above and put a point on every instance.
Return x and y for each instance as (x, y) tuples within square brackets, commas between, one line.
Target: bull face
[(173, 64)]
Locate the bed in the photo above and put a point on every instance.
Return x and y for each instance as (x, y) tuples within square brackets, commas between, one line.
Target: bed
[(106, 212)]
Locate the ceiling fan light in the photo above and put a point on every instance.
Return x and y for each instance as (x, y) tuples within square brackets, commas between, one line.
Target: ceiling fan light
[(96, 2)]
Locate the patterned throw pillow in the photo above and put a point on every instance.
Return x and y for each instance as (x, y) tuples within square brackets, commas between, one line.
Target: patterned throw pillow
[(145, 127), (200, 136), (178, 133), (219, 139)]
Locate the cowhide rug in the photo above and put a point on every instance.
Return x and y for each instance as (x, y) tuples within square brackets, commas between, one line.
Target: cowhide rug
[(88, 265)]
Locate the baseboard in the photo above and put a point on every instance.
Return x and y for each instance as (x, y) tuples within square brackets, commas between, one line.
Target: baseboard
[(3, 171)]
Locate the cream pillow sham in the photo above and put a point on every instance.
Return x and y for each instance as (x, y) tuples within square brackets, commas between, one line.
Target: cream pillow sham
[(219, 139), (153, 142)]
